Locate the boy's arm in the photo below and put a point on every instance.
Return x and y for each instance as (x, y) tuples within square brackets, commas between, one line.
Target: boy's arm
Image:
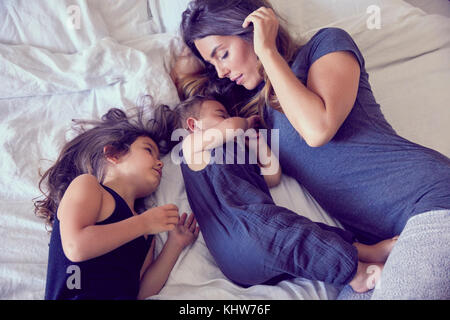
[(214, 137), (267, 161)]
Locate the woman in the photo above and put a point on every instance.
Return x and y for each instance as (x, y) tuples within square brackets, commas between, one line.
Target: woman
[(347, 155)]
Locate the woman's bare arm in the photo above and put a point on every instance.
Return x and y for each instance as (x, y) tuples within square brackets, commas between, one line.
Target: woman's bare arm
[(317, 110)]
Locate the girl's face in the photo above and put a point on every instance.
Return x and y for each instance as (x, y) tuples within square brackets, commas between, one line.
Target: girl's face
[(141, 165), (233, 58)]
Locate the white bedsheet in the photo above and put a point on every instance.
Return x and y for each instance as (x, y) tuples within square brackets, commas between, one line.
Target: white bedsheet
[(56, 74)]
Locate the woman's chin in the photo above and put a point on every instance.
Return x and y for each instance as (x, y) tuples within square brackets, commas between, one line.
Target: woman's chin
[(250, 85)]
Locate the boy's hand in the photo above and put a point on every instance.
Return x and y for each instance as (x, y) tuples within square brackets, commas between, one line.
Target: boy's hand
[(185, 232), (160, 219), (253, 122)]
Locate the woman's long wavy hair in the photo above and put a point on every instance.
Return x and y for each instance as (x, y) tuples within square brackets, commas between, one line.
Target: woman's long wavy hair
[(204, 18), (85, 153)]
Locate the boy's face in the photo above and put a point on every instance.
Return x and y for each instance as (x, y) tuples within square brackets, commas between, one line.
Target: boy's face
[(211, 114)]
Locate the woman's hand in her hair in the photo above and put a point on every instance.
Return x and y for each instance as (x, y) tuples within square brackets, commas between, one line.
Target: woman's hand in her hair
[(160, 219), (185, 232), (265, 30)]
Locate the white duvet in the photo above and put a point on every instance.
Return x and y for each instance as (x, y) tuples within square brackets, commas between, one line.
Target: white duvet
[(51, 72)]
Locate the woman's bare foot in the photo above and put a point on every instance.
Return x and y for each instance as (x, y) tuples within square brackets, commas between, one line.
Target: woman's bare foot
[(378, 252), (366, 277)]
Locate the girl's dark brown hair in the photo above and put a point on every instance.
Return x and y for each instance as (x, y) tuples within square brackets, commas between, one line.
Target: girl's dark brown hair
[(85, 153), (203, 18)]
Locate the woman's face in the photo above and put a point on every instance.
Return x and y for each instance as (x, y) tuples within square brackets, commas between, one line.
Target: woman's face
[(233, 58)]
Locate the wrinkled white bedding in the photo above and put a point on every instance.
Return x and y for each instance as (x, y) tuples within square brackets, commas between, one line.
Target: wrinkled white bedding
[(51, 73)]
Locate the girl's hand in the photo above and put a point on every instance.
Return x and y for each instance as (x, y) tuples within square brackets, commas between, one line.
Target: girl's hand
[(265, 30), (160, 219), (185, 232)]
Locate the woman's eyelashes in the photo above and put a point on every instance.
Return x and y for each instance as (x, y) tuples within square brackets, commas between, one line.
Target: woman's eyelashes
[(224, 56)]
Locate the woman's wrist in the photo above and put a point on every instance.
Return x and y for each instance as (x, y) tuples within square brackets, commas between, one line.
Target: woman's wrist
[(268, 54)]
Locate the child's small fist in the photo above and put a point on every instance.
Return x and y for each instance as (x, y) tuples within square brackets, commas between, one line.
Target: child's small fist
[(160, 219)]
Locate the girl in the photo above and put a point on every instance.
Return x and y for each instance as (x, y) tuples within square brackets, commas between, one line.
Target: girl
[(348, 157), (100, 248), (252, 240)]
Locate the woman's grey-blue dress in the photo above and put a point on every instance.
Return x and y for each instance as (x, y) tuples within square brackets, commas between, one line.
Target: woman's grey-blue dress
[(255, 241), (369, 178)]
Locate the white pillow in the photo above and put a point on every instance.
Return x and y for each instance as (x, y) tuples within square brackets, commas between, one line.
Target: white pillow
[(167, 14), (301, 15), (125, 20), (305, 15), (68, 26)]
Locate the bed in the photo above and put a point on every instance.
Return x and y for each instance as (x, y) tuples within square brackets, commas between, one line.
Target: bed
[(61, 60)]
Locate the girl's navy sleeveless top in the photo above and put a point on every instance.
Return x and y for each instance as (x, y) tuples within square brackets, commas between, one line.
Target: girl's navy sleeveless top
[(114, 275)]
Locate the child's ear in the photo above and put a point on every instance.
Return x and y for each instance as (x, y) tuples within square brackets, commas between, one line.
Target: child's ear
[(191, 124), (111, 154)]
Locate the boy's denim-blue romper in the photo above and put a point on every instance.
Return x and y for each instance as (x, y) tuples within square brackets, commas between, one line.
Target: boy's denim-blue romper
[(255, 241)]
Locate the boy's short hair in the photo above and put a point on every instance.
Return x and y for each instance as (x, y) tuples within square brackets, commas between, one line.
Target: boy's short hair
[(190, 108)]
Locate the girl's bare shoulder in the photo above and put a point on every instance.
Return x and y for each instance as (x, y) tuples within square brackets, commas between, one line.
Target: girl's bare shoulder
[(86, 194), (86, 183), (84, 188)]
